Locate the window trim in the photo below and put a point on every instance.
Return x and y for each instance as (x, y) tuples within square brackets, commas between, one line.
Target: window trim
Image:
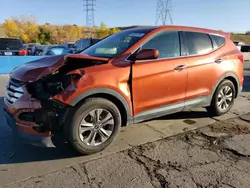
[(183, 46), (211, 34), (152, 36)]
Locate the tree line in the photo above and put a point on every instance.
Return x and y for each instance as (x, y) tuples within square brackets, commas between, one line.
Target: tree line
[(27, 29)]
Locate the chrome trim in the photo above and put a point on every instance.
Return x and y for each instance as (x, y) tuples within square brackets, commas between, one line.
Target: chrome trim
[(18, 89), (180, 67), (126, 59), (6, 101), (9, 98), (13, 92)]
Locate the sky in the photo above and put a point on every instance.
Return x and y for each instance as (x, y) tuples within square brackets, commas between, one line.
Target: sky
[(226, 15)]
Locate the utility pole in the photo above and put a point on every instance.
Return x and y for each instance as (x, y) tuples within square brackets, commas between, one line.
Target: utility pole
[(89, 6), (163, 15)]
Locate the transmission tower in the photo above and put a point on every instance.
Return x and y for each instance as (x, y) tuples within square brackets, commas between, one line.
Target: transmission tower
[(163, 14), (89, 6)]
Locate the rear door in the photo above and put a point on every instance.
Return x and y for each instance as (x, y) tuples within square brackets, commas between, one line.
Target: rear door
[(203, 69), (156, 86)]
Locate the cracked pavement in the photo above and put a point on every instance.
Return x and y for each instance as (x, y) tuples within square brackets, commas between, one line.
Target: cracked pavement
[(189, 149), (214, 156)]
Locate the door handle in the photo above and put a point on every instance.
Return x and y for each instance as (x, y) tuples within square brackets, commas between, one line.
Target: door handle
[(180, 67), (218, 60)]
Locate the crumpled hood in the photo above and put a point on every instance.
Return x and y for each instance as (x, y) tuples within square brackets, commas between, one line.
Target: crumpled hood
[(34, 70)]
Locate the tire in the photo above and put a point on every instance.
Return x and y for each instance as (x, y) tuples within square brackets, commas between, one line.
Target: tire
[(215, 109), (88, 110)]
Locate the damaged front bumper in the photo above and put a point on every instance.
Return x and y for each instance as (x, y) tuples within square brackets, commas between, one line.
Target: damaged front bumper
[(35, 121), (25, 133)]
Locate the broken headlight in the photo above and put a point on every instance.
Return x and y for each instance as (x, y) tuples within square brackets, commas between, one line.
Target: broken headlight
[(51, 85)]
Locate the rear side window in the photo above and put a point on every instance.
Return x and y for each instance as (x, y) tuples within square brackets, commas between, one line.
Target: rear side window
[(198, 43), (10, 44), (245, 49), (218, 41), (167, 43)]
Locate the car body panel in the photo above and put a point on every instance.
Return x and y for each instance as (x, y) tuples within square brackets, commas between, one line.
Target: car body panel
[(96, 77), (146, 89), (170, 88), (37, 69)]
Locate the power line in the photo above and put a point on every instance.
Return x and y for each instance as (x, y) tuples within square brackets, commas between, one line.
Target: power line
[(163, 10), (89, 8)]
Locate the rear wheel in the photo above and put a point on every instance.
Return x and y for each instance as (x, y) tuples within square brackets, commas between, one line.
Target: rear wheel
[(94, 125), (223, 99)]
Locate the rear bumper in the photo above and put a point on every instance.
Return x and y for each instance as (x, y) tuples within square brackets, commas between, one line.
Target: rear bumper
[(37, 140)]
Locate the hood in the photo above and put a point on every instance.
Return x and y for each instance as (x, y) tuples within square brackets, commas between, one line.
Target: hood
[(34, 70)]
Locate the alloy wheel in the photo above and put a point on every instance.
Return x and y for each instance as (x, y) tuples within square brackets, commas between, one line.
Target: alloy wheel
[(96, 127), (225, 98)]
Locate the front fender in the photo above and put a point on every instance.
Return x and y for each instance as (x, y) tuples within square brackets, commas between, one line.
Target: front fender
[(111, 92)]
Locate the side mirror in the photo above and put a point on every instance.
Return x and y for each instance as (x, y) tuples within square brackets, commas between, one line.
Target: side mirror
[(146, 54)]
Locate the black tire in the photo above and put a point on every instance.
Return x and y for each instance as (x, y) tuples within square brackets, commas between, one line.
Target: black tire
[(214, 109), (86, 107)]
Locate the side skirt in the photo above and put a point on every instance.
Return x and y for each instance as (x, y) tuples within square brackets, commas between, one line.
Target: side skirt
[(171, 109)]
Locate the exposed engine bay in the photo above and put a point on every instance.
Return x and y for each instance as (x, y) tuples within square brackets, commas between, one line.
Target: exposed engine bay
[(56, 82), (54, 113)]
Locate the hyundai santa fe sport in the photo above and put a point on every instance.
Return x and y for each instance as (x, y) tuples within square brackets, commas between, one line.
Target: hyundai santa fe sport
[(129, 77)]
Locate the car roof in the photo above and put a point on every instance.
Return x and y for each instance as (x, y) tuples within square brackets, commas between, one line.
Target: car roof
[(195, 29), (176, 27), (56, 46), (10, 38)]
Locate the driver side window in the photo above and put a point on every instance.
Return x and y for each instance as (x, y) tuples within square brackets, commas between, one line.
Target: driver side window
[(167, 43)]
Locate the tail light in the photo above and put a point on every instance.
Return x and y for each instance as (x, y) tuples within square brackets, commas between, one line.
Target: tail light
[(241, 58), (22, 52)]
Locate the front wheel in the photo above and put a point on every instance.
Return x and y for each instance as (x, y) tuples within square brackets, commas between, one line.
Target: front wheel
[(94, 125), (223, 98)]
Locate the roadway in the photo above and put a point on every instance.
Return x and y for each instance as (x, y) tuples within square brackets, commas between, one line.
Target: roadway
[(19, 161)]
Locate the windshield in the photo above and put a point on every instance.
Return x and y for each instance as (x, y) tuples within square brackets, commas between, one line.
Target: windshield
[(57, 51), (115, 44)]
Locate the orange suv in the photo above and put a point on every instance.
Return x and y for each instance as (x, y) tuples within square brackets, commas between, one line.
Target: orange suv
[(132, 76)]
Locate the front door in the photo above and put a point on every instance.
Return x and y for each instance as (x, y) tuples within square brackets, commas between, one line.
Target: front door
[(159, 86)]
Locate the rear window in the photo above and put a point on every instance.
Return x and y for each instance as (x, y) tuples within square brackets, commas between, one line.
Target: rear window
[(218, 41), (198, 43), (245, 49), (10, 44)]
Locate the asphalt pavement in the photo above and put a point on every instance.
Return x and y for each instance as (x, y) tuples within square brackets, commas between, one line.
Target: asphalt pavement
[(60, 167)]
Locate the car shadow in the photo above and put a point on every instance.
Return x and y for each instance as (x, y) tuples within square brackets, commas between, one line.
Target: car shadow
[(186, 115), (14, 150)]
